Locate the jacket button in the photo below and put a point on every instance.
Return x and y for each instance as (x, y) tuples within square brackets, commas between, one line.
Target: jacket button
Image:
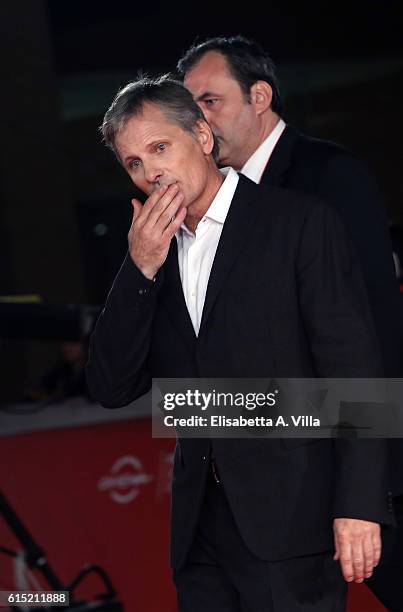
[(204, 457)]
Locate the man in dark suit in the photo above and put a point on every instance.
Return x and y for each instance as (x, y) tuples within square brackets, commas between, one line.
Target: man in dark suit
[(227, 279), (235, 83)]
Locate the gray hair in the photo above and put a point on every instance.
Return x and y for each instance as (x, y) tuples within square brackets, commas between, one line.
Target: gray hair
[(170, 95)]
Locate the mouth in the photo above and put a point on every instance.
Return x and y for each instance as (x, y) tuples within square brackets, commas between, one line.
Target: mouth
[(165, 183)]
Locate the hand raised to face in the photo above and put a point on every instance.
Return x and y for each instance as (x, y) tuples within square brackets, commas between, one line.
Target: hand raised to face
[(153, 227)]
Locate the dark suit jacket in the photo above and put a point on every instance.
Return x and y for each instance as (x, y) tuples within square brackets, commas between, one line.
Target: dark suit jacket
[(285, 299), (328, 171)]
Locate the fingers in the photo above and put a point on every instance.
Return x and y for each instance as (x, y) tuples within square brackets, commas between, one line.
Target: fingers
[(336, 555), (359, 559), (358, 547), (168, 196), (345, 557), (175, 223), (364, 556), (162, 215), (137, 206), (154, 211), (368, 549), (142, 212), (168, 216), (351, 559), (371, 548), (377, 544), (153, 227)]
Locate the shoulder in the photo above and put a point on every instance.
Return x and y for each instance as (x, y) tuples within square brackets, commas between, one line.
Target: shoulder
[(322, 153), (326, 169), (316, 146), (283, 205)]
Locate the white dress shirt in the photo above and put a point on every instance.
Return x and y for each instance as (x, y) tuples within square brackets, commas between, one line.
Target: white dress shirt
[(196, 251), (257, 162)]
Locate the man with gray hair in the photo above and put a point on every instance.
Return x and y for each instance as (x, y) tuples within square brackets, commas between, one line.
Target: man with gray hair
[(227, 279)]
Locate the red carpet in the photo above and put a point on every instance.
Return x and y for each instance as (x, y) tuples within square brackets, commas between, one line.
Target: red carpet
[(360, 599)]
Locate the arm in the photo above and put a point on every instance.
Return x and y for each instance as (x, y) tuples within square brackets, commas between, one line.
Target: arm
[(333, 299), (346, 183), (117, 371), (343, 344)]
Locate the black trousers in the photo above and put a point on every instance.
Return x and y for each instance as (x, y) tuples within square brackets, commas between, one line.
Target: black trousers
[(222, 575)]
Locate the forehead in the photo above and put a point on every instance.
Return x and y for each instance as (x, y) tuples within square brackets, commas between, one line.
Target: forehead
[(149, 125), (211, 73)]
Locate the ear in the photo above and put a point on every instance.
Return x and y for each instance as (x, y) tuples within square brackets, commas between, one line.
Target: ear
[(261, 95), (204, 136)]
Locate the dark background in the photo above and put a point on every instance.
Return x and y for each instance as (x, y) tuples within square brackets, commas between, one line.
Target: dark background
[(88, 35), (64, 201)]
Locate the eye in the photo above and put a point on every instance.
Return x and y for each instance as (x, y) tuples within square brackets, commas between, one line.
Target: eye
[(134, 164), (210, 101), (160, 147)]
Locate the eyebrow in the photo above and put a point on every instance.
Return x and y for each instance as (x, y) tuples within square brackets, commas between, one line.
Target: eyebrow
[(206, 94), (150, 145), (129, 157)]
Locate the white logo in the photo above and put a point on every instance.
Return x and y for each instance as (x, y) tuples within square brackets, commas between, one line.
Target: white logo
[(126, 477)]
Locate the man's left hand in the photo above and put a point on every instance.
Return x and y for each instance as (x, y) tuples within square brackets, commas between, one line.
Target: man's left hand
[(358, 547)]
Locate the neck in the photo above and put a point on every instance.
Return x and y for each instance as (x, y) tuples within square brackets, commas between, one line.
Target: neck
[(268, 126), (199, 207), (268, 122)]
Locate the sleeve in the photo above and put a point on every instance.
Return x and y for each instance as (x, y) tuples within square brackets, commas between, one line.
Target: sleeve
[(334, 301), (343, 342), (117, 371), (347, 184)]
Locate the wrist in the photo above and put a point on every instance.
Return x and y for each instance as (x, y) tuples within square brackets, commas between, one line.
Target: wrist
[(149, 273)]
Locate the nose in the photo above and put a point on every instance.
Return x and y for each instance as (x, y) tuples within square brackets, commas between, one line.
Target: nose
[(152, 173)]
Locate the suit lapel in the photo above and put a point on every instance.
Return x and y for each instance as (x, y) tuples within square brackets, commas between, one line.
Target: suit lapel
[(173, 298), (281, 158), (235, 233)]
